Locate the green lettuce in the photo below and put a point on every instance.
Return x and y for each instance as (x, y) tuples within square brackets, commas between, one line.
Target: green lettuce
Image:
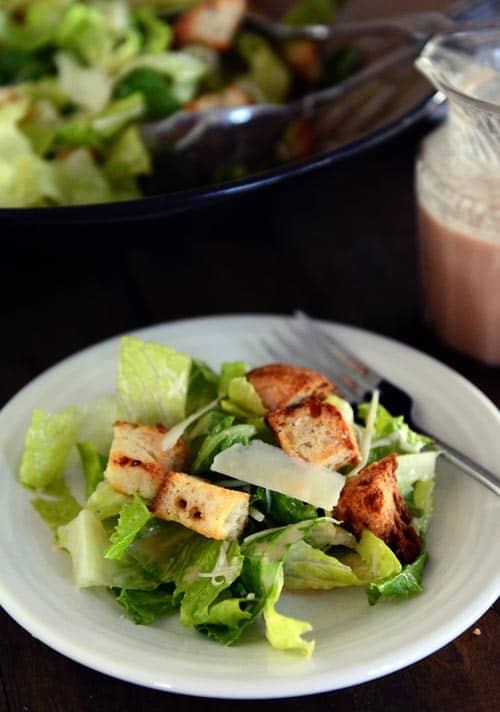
[(243, 400), (266, 68), (228, 371), (311, 12), (93, 464), (219, 439), (406, 583), (144, 607), (86, 540), (202, 388), (391, 434), (58, 507), (133, 516), (48, 442), (105, 502), (263, 574), (152, 382)]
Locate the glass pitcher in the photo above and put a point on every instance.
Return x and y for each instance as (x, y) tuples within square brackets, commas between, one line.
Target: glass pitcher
[(458, 194)]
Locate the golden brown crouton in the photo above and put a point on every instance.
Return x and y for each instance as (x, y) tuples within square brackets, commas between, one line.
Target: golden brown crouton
[(280, 385), (210, 510), (233, 95), (372, 500), (213, 23), (137, 462), (317, 432), (304, 58)]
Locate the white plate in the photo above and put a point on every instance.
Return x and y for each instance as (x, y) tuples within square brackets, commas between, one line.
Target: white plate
[(354, 642)]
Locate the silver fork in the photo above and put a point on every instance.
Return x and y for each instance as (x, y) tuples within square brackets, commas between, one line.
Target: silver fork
[(356, 382)]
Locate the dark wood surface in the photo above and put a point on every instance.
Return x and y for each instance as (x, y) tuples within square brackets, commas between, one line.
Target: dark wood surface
[(339, 244)]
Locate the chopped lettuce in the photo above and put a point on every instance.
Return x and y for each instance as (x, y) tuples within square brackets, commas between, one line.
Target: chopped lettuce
[(49, 440), (401, 585), (266, 68), (281, 509), (105, 502), (220, 439), (144, 607), (202, 388), (93, 464), (228, 371), (243, 400), (311, 12), (392, 434), (86, 540), (59, 508), (133, 516), (152, 382)]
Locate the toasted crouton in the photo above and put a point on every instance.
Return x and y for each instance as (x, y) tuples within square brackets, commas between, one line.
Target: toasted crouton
[(231, 96), (213, 23), (137, 462), (280, 385), (372, 500), (210, 510), (317, 432), (304, 58)]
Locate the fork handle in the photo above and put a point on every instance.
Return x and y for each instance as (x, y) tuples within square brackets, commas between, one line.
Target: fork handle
[(474, 469)]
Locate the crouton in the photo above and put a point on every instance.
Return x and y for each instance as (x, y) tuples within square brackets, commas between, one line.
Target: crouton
[(372, 500), (304, 59), (213, 23), (316, 432), (280, 385), (137, 462), (210, 510), (233, 95)]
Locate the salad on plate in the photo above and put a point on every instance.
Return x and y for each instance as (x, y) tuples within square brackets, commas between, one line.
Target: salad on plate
[(205, 494), (80, 78)]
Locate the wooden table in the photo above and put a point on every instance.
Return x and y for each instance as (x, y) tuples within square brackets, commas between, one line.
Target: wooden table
[(339, 244)]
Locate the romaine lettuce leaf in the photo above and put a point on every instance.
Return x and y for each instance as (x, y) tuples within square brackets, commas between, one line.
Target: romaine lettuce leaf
[(133, 516), (86, 540), (401, 585), (228, 371), (202, 388), (266, 68), (311, 12), (105, 502), (48, 442), (262, 573), (152, 382), (218, 440), (60, 508), (93, 464), (392, 434), (373, 560), (243, 400), (144, 607), (307, 568), (281, 509)]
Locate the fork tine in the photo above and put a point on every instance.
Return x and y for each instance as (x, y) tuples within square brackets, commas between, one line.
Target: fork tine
[(353, 369)]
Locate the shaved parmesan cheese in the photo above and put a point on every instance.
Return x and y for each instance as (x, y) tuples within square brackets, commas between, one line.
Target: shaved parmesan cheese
[(177, 431), (268, 466)]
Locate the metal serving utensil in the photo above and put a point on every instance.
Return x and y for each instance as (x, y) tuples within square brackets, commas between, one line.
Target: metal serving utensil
[(246, 133)]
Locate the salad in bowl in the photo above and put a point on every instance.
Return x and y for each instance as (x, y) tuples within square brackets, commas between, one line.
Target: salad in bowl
[(80, 79), (205, 494)]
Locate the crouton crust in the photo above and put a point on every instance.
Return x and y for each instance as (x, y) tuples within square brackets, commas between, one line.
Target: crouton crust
[(317, 432), (372, 500), (137, 462), (210, 510), (212, 23), (280, 385)]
